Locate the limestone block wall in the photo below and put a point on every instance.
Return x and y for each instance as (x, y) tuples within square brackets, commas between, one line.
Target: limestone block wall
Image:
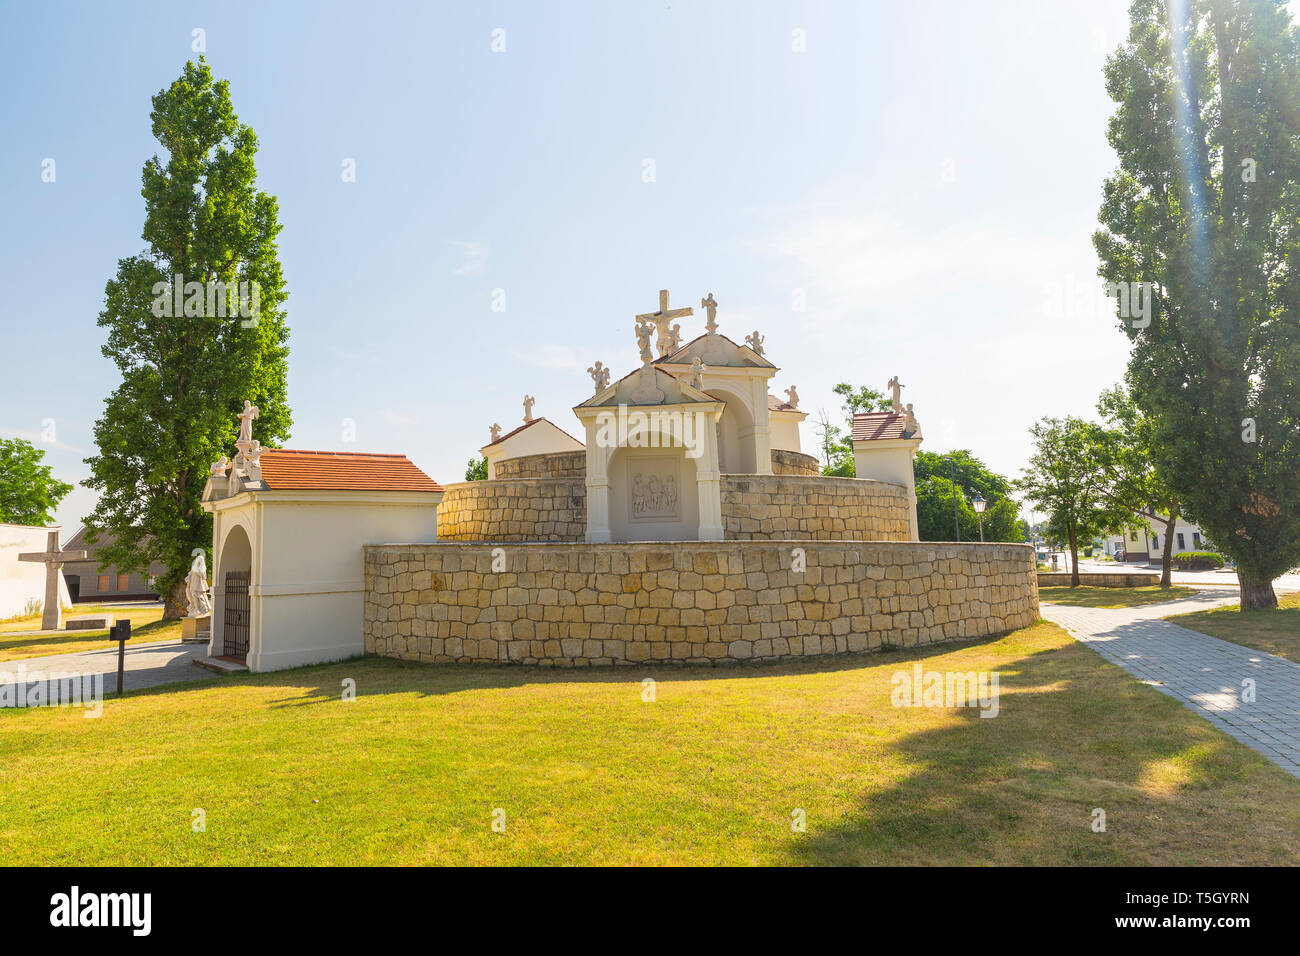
[(793, 506), (563, 464), (514, 509), (698, 602), (786, 462)]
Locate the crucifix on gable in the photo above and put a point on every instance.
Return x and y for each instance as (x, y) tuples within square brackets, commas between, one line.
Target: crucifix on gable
[(663, 321)]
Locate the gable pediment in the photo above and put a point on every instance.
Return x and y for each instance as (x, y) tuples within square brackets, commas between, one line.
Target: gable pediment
[(648, 385), (716, 350)]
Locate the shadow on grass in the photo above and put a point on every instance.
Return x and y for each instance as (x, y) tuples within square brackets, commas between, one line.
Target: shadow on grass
[(1073, 734)]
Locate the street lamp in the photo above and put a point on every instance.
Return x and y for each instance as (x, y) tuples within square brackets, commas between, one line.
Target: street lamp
[(978, 502)]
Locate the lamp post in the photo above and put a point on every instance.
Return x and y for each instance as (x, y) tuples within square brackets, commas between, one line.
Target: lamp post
[(978, 503)]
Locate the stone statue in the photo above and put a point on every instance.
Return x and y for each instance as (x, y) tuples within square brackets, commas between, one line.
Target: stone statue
[(196, 587), (643, 330), (792, 395), (253, 461), (528, 408), (600, 375), (496, 432), (910, 425), (697, 372), (246, 422), (674, 338), (219, 467), (896, 388), (661, 321), (710, 307), (755, 342)]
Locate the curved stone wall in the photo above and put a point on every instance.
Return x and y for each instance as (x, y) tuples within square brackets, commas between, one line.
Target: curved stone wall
[(688, 602), (515, 509), (786, 462), (563, 464), (765, 507)]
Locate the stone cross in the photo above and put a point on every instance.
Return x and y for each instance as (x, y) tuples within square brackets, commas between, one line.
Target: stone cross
[(528, 408), (896, 387), (52, 558), (663, 321), (710, 307)]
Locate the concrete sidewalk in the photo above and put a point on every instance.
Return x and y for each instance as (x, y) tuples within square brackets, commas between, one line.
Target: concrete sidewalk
[(1205, 673), (145, 665)]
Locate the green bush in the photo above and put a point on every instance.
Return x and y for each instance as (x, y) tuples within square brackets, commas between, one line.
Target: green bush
[(1197, 560)]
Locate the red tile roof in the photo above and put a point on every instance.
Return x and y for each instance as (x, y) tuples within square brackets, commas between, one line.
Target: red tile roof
[(876, 426), (286, 468)]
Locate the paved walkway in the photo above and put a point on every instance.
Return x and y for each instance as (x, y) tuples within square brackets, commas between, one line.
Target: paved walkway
[(145, 665), (1203, 672)]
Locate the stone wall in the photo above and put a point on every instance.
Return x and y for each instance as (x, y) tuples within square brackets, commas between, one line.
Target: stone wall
[(786, 462), (794, 506), (693, 602), (1103, 579), (562, 464), (516, 509)]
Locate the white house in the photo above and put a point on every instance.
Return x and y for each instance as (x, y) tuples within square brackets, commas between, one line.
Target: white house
[(884, 445), (1145, 543), (538, 436), (22, 583)]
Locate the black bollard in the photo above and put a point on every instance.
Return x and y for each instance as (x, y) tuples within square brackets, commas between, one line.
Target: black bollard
[(120, 632)]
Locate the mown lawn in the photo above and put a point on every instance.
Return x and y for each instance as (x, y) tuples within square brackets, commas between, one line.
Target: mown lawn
[(1277, 632), (1087, 596), (587, 772), (146, 625)]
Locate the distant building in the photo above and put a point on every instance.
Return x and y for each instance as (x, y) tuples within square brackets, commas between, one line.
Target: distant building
[(1145, 543), (88, 584)]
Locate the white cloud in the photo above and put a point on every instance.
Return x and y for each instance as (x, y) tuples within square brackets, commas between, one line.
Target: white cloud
[(476, 257)]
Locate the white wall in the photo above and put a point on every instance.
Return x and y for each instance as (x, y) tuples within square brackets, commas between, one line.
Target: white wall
[(785, 430), (624, 526), (543, 438), (890, 460), (23, 581)]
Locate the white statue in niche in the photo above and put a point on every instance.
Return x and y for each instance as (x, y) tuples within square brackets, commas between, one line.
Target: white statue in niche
[(896, 389), (697, 372), (600, 375), (710, 307), (755, 342), (196, 587), (528, 409), (792, 395), (496, 432)]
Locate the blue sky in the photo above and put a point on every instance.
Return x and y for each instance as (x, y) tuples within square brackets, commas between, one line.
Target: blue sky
[(925, 175)]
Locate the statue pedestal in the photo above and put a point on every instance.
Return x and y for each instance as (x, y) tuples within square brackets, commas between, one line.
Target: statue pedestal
[(196, 630)]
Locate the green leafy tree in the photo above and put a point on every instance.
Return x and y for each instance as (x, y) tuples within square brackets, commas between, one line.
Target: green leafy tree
[(935, 474), (1138, 474), (837, 442), (29, 492), (1205, 206), (185, 375), (476, 469), (1070, 477)]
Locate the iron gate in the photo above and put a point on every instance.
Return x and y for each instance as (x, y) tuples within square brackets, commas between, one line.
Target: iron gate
[(235, 614)]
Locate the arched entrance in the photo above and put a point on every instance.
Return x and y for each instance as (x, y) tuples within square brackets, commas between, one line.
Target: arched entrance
[(735, 436), (233, 580)]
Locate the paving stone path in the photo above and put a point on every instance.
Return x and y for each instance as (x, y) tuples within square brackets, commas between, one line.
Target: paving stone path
[(1203, 672)]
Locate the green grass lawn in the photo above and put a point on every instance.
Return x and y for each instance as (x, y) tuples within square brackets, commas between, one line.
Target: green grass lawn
[(1087, 596), (587, 772), (1277, 632), (146, 625)]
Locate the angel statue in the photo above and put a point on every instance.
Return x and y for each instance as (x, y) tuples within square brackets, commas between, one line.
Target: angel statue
[(600, 375), (755, 342)]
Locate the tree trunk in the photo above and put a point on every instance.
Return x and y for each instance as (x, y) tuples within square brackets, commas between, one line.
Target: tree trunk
[(1256, 593), (1074, 559), (1166, 574), (174, 602)]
